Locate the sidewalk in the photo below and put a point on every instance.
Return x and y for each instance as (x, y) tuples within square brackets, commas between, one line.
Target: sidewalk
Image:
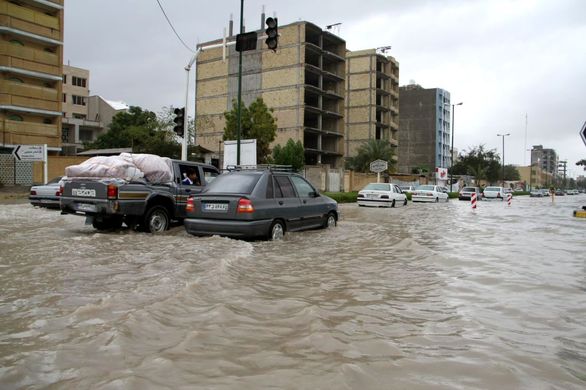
[(14, 194)]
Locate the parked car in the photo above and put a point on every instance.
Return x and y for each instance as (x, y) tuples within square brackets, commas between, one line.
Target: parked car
[(466, 193), (259, 204), (545, 192), (536, 193), (494, 193), (507, 190), (407, 189), (559, 192), (430, 193), (47, 195), (381, 195)]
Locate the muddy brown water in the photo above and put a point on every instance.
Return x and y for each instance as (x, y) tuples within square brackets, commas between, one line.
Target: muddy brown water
[(425, 296)]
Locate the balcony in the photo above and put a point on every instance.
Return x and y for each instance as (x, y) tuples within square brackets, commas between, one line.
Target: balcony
[(29, 54), (29, 128), (29, 15), (31, 66), (29, 96)]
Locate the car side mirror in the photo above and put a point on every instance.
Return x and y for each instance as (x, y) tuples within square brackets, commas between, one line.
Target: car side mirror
[(314, 194)]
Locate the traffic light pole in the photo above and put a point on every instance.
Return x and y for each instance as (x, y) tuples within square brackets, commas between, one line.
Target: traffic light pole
[(238, 115), (185, 119)]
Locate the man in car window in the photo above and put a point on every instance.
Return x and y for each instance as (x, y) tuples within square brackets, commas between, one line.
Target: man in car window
[(191, 179)]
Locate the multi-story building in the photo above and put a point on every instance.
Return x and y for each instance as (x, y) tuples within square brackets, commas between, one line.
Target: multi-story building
[(372, 99), (303, 82), (546, 159), (31, 58), (424, 128)]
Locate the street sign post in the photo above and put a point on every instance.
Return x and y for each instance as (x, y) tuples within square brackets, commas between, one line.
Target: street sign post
[(378, 166), (32, 153), (583, 133), (29, 153)]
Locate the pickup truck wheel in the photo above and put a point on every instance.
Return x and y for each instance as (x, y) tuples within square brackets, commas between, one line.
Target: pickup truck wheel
[(110, 223), (156, 220)]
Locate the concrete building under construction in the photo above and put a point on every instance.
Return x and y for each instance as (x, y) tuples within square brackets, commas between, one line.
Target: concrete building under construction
[(372, 99), (303, 82)]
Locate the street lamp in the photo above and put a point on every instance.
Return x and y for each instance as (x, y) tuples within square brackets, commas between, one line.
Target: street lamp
[(503, 135), (452, 151)]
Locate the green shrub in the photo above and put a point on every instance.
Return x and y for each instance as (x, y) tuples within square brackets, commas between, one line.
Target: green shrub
[(517, 193), (342, 197)]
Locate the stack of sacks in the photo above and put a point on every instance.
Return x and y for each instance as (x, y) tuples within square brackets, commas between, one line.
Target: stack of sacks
[(156, 169), (105, 166)]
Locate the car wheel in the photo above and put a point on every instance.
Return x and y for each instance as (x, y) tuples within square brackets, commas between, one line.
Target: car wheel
[(110, 223), (277, 231), (393, 203), (405, 202), (330, 221), (156, 220)]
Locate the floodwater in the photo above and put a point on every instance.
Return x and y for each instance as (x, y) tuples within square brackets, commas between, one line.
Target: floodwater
[(429, 296)]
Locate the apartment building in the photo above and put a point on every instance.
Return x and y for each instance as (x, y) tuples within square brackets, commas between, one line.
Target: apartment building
[(424, 128), (31, 58), (85, 117), (303, 82), (546, 159), (372, 99)]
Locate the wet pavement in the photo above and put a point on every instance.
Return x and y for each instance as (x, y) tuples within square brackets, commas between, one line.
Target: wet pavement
[(425, 296)]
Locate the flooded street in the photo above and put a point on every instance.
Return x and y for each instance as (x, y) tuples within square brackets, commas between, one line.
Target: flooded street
[(424, 296)]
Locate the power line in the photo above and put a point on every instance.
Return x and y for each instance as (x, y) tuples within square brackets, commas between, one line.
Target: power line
[(173, 28)]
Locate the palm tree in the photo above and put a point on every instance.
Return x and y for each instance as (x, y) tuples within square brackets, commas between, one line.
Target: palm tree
[(373, 149)]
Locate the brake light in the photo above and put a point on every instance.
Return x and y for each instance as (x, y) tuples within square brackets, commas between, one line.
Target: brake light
[(60, 190), (58, 193), (112, 191), (189, 207), (33, 192), (245, 206)]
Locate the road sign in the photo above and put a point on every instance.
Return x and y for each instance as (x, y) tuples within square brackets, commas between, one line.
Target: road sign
[(29, 152), (379, 166), (583, 133)]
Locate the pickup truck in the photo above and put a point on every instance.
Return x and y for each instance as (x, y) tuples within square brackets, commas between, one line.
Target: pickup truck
[(108, 202)]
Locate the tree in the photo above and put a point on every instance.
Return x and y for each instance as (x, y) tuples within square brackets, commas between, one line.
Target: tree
[(480, 163), (291, 154), (582, 162), (257, 122), (512, 173), (373, 149), (140, 130)]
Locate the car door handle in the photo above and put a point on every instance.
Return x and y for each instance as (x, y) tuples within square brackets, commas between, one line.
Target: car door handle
[(281, 202), (304, 201)]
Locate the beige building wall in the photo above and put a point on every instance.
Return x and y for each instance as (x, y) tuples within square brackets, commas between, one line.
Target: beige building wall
[(372, 99), (31, 57), (76, 90), (302, 83)]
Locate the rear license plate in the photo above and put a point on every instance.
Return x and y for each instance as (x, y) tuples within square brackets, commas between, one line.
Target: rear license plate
[(86, 207), (371, 196), (215, 207)]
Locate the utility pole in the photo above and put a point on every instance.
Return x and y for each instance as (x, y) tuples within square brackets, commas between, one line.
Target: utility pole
[(563, 165), (238, 115)]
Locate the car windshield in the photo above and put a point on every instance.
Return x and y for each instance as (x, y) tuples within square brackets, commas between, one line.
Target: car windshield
[(470, 189), (377, 187), (55, 180), (426, 188), (492, 189), (237, 183), (405, 187)]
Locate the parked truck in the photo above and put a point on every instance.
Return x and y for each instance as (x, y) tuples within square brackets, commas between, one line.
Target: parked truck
[(108, 202)]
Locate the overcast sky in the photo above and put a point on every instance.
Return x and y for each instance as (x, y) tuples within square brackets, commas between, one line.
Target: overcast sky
[(504, 59)]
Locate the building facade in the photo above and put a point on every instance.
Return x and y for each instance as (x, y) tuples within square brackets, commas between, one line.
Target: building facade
[(545, 159), (424, 129), (303, 82), (31, 58), (372, 99)]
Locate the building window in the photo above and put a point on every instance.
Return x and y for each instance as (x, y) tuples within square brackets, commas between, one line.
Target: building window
[(17, 118), (49, 50), (64, 79), (64, 98), (65, 134), (78, 100), (48, 121), (78, 81), (79, 116)]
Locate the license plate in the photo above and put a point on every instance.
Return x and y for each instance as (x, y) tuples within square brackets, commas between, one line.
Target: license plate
[(371, 196), (215, 207), (86, 207)]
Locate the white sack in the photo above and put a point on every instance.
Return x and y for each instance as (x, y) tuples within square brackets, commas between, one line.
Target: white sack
[(156, 169), (102, 166)]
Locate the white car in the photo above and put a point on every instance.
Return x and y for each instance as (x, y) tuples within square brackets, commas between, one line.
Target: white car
[(407, 189), (494, 193), (381, 195), (430, 193), (47, 195)]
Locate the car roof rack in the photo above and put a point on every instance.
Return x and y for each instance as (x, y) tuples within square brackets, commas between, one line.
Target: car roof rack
[(260, 167)]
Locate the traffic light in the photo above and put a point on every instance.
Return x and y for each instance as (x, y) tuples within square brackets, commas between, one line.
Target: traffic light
[(272, 33), (179, 121)]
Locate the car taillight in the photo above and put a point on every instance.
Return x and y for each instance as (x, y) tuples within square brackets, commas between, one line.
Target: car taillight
[(33, 192), (58, 193), (60, 190), (112, 191), (189, 207), (245, 206)]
